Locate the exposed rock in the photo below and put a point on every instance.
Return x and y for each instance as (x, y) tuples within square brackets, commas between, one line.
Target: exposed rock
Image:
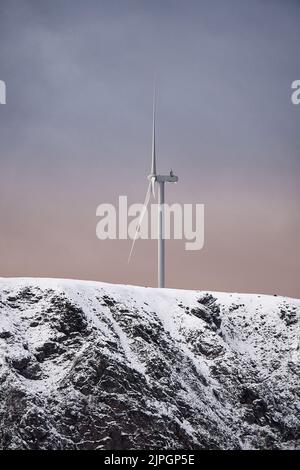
[(97, 366)]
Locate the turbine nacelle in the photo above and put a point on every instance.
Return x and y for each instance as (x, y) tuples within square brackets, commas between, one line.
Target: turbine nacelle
[(166, 178), (153, 178)]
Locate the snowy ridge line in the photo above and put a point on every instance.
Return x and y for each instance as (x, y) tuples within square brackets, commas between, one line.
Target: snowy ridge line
[(93, 365)]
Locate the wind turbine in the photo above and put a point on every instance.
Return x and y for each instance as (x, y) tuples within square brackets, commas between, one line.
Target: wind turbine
[(160, 180)]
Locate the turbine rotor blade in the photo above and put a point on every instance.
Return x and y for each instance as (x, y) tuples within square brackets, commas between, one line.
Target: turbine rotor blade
[(153, 163), (145, 205), (153, 187)]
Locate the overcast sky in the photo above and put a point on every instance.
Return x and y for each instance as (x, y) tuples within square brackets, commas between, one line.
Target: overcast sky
[(76, 132)]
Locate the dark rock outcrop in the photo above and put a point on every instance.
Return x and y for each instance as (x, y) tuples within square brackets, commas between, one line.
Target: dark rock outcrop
[(96, 366)]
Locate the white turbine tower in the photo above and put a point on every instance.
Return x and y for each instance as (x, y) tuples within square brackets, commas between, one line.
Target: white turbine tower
[(160, 180)]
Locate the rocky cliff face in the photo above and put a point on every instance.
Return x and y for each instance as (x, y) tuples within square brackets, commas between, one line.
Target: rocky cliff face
[(95, 366)]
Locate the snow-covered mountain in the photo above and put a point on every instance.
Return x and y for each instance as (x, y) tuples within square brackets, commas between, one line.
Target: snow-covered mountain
[(86, 365)]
